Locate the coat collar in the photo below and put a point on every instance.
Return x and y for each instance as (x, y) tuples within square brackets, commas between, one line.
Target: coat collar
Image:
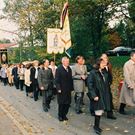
[(132, 62)]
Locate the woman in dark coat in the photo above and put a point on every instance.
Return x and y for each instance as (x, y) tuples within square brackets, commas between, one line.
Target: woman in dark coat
[(64, 86), (108, 71), (98, 90)]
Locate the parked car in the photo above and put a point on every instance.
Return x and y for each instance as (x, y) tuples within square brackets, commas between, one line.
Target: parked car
[(121, 50)]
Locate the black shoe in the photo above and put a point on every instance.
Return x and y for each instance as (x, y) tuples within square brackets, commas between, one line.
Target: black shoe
[(35, 99), (45, 109), (48, 106), (27, 94), (100, 129), (65, 118), (123, 112), (61, 119), (97, 130), (112, 117), (79, 112)]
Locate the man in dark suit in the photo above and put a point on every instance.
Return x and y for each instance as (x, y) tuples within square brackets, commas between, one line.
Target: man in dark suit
[(45, 80), (33, 78), (64, 86), (15, 74)]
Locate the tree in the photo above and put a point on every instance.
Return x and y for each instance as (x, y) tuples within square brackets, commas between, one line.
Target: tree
[(89, 21), (114, 39), (5, 41)]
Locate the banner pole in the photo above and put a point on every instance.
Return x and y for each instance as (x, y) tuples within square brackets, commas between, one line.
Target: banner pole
[(54, 57)]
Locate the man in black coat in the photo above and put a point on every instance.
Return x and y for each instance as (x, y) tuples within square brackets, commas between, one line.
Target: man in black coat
[(15, 74), (64, 86), (33, 78)]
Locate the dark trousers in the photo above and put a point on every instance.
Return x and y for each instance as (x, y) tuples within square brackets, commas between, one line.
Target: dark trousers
[(46, 99), (78, 100), (21, 82), (35, 88), (63, 110), (16, 82), (4, 81), (122, 107)]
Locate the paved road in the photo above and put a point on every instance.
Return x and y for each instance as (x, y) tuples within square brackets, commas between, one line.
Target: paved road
[(7, 125), (29, 118)]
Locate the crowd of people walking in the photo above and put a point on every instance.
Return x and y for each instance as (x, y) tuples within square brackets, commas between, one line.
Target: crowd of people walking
[(48, 80)]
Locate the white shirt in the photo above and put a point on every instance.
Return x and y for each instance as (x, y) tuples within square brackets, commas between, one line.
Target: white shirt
[(36, 73), (53, 69)]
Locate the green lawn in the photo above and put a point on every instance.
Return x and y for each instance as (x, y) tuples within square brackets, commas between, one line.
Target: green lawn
[(118, 61)]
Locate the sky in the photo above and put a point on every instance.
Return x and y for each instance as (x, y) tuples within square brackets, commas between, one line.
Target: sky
[(6, 25), (10, 26)]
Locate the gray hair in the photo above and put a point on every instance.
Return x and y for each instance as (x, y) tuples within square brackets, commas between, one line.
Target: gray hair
[(64, 58)]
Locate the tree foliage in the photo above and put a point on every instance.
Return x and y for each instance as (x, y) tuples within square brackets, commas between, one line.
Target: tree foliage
[(89, 21), (5, 40)]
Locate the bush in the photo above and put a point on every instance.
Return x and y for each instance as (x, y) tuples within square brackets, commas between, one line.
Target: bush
[(117, 63)]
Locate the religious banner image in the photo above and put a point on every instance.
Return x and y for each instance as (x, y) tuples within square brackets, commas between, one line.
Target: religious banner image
[(54, 44), (3, 56)]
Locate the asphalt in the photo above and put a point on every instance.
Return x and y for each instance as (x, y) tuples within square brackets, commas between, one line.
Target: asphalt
[(7, 126), (22, 115)]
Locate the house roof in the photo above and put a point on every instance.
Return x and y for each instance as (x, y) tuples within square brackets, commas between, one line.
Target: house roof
[(4, 46)]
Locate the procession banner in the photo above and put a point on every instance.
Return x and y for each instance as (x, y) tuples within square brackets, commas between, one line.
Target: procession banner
[(64, 25), (54, 44)]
